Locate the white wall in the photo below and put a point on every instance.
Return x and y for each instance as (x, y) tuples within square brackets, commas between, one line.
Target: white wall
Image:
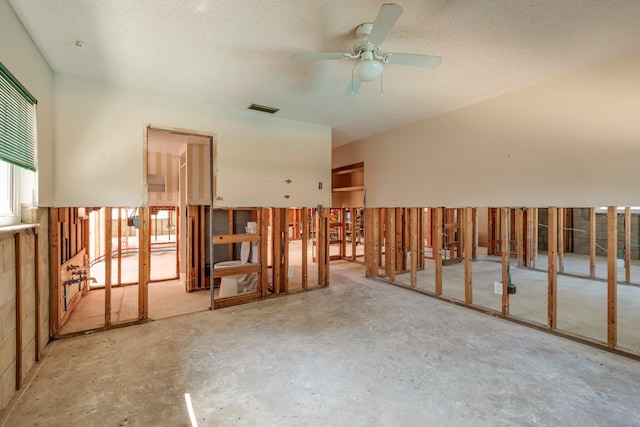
[(99, 148), (572, 141), (22, 58)]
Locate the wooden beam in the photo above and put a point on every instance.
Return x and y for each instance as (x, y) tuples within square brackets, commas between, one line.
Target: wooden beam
[(323, 244), (552, 294), (520, 244), (237, 270), (390, 250), (437, 248), (469, 236), (506, 246), (277, 250), (354, 233), (304, 218), (413, 245), (143, 262), (235, 238), (36, 268), (202, 238), (534, 238), (119, 278), (54, 272), (474, 248), (264, 253), (285, 250), (592, 242), (370, 242), (18, 285), (612, 276), (627, 244), (399, 241), (561, 221), (108, 249)]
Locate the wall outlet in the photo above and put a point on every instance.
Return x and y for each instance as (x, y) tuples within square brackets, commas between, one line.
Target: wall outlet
[(497, 288)]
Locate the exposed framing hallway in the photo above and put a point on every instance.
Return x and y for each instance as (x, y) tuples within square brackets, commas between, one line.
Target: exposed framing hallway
[(359, 352)]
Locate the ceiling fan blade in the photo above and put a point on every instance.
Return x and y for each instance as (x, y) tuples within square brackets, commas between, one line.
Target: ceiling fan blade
[(318, 56), (386, 19), (354, 86), (423, 61)]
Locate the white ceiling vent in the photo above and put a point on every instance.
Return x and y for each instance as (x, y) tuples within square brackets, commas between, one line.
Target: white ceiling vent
[(263, 108)]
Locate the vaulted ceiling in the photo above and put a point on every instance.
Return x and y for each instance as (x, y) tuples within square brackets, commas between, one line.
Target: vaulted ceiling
[(232, 53)]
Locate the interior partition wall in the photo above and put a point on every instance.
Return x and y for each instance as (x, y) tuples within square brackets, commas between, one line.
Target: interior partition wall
[(569, 271)]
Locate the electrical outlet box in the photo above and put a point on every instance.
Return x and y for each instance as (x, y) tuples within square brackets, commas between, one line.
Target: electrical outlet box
[(290, 272), (497, 288)]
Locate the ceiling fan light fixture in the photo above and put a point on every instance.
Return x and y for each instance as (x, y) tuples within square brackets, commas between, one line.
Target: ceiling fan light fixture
[(368, 69)]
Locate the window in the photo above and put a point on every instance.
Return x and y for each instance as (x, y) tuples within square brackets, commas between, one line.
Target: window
[(17, 147)]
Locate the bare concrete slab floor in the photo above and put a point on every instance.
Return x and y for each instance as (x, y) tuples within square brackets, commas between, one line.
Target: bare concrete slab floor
[(359, 353)]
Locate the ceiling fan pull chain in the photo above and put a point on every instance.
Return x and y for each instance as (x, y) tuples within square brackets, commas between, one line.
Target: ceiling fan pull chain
[(381, 94)]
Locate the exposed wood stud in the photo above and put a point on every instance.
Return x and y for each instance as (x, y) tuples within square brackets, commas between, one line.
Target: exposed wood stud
[(277, 250), (534, 232), (305, 241), (54, 272), (390, 250), (552, 294), (323, 242), (612, 276), (108, 230), (370, 242), (469, 237), (413, 245), (18, 285), (520, 244), (474, 225), (399, 242), (437, 249), (561, 226), (36, 267), (592, 242), (627, 244), (264, 252), (119, 278), (506, 245)]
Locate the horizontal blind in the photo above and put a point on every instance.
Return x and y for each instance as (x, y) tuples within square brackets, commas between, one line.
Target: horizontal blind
[(17, 122)]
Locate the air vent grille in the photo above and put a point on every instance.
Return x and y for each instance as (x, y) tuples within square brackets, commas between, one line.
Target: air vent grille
[(263, 108)]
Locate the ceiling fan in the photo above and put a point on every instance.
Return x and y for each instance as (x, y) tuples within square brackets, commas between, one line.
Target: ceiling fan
[(365, 49)]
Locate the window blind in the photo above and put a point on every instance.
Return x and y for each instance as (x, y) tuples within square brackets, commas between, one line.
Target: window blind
[(17, 122)]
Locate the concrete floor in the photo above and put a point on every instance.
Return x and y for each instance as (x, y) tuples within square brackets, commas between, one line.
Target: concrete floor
[(582, 302), (359, 352)]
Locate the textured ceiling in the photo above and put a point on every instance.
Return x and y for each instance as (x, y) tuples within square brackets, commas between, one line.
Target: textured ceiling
[(236, 52)]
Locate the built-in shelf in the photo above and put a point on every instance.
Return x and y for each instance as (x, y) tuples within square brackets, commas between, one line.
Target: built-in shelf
[(354, 188), (347, 185)]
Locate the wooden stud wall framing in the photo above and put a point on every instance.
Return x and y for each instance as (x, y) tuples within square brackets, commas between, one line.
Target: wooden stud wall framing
[(413, 245), (263, 225), (390, 242), (552, 300), (437, 249), (627, 244), (144, 243), (534, 234), (372, 240), (561, 241), (612, 276), (323, 247), (18, 285), (304, 219), (592, 242), (108, 229), (504, 236), (468, 254)]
